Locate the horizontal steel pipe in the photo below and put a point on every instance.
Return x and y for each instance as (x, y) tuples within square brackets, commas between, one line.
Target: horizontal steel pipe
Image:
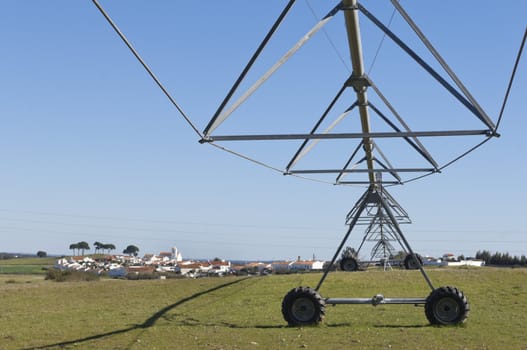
[(346, 135), (375, 301)]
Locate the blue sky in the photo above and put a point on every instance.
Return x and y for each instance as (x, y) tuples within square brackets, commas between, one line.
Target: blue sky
[(92, 150)]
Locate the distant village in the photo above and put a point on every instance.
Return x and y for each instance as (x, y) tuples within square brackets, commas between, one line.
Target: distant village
[(173, 263)]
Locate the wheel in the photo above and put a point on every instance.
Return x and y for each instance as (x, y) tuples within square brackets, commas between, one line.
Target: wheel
[(446, 306), (349, 264), (411, 264), (303, 306)]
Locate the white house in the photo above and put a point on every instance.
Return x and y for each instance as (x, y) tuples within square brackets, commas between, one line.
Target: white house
[(219, 268), (281, 266), (257, 267), (193, 269), (477, 263), (307, 265)]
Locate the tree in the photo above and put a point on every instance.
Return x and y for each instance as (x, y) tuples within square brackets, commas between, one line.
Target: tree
[(349, 252), (110, 247), (83, 246), (103, 246), (74, 246), (400, 255), (131, 250), (484, 255), (42, 254), (503, 259), (98, 246)]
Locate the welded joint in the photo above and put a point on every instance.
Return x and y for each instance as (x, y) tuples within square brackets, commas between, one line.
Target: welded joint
[(206, 140), (350, 7), (368, 146), (492, 133), (359, 83), (377, 300)]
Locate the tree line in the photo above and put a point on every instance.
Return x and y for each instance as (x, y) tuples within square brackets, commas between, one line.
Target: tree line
[(497, 259), (101, 248), (501, 259)]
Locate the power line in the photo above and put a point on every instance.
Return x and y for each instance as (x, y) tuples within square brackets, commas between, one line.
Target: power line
[(173, 230), (150, 221)]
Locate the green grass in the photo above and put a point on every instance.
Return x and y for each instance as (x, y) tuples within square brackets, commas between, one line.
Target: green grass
[(237, 313), (28, 261), (26, 265), (22, 269)]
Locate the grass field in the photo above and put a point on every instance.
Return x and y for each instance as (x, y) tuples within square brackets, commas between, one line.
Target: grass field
[(26, 266), (244, 313)]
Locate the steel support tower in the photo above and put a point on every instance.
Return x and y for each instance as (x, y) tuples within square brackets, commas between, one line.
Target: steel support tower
[(304, 305)]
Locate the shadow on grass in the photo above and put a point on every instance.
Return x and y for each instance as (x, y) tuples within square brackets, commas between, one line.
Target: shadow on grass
[(351, 324), (148, 322), (403, 326)]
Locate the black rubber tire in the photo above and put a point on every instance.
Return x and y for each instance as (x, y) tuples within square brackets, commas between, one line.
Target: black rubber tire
[(446, 306), (410, 263), (349, 264), (303, 306)]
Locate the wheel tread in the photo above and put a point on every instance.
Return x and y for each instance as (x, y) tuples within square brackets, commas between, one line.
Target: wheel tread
[(410, 264), (303, 292), (348, 262), (447, 291)]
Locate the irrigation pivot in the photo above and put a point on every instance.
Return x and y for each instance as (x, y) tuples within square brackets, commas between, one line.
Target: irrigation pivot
[(376, 208), (445, 305), (367, 164)]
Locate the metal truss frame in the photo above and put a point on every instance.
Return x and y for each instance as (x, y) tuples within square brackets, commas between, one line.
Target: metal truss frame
[(360, 83), (376, 208), (364, 212)]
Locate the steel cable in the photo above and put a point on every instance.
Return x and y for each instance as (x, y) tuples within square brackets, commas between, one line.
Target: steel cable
[(240, 155), (516, 63), (146, 67)]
